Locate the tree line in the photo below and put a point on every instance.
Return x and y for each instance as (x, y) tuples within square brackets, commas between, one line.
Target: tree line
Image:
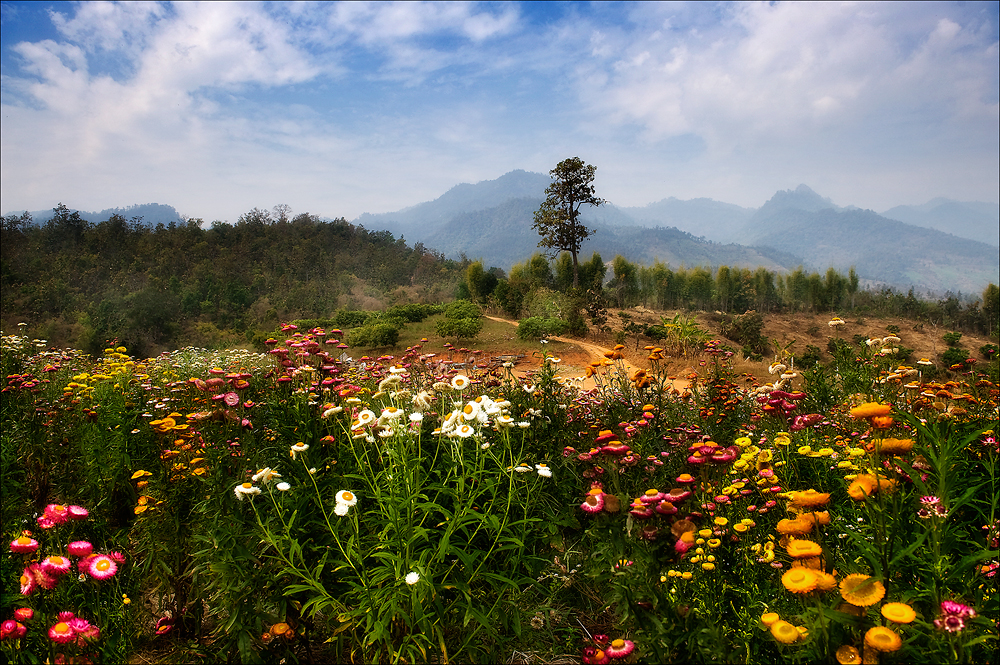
[(622, 284), (82, 284)]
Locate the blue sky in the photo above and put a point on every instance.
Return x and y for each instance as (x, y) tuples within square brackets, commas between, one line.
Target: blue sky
[(339, 109)]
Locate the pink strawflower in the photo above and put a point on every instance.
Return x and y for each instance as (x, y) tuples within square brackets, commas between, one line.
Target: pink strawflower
[(61, 633), (24, 545), (89, 634), (117, 556), (24, 614), (42, 577), (66, 616), (102, 567), (80, 548), (28, 583), (11, 628), (45, 523), (78, 624), (620, 648), (57, 512), (56, 565), (78, 513), (594, 503)]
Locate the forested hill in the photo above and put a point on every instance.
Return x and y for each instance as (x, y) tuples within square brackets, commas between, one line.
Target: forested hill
[(153, 287)]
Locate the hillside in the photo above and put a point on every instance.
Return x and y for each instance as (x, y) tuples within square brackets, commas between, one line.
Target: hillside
[(973, 220), (880, 249)]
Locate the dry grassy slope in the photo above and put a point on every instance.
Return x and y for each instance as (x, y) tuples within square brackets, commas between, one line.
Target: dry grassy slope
[(806, 329)]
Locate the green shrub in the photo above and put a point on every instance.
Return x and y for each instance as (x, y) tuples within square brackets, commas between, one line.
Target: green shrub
[(413, 312), (952, 338), (375, 335), (954, 355), (348, 318), (466, 328), (462, 309), (810, 358), (746, 329), (537, 327)]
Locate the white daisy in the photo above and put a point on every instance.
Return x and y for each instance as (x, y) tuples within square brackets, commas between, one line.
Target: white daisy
[(412, 578)]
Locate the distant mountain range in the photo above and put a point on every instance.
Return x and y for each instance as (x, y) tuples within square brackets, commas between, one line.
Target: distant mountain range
[(949, 245), (940, 246), (151, 214)]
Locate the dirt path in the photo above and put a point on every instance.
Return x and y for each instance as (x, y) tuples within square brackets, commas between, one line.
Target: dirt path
[(596, 352)]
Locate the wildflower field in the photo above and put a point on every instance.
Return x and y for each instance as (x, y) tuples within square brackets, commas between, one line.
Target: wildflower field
[(297, 506)]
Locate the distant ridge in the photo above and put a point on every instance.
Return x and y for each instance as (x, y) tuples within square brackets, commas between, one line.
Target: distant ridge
[(491, 220), (151, 214)]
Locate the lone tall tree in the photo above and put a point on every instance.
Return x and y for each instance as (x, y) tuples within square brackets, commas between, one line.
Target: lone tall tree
[(558, 218)]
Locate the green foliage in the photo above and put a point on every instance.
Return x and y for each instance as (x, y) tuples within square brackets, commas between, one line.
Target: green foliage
[(150, 288), (954, 355), (538, 327), (462, 320), (952, 338), (747, 330), (810, 358), (374, 335), (346, 318), (557, 219)]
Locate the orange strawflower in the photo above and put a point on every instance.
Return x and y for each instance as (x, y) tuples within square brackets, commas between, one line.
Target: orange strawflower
[(799, 580), (895, 446), (861, 590), (871, 410), (803, 549), (808, 498), (795, 527), (881, 638), (898, 612)]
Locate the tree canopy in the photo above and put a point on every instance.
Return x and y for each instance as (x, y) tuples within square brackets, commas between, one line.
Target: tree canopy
[(557, 220)]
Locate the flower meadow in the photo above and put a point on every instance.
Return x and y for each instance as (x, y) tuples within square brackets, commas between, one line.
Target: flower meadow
[(298, 506)]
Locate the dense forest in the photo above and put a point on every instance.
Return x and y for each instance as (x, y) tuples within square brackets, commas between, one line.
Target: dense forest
[(79, 283), (83, 284)]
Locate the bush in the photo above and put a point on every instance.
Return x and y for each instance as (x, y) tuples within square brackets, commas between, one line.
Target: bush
[(954, 355), (460, 328), (810, 358), (413, 312), (952, 338), (348, 318), (537, 327), (376, 335), (462, 309), (746, 329)]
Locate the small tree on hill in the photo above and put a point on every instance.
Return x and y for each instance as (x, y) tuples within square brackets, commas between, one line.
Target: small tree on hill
[(558, 218)]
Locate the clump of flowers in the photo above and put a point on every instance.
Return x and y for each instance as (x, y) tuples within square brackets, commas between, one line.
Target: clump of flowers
[(953, 616), (931, 506)]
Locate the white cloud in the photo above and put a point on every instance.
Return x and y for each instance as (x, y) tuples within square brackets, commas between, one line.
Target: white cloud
[(373, 106)]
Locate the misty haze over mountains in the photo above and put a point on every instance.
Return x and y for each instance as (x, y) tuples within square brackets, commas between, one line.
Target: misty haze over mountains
[(939, 246)]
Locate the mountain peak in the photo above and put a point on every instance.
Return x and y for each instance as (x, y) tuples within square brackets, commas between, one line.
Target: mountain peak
[(801, 198)]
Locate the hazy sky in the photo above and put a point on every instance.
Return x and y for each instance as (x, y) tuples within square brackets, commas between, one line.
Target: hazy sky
[(339, 109)]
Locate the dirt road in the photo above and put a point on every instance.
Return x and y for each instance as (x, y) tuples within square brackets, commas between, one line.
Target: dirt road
[(596, 352)]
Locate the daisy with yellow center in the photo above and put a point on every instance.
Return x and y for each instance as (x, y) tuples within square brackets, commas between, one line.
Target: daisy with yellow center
[(861, 590)]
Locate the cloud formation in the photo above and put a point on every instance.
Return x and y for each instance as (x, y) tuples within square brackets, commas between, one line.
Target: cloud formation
[(351, 107)]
